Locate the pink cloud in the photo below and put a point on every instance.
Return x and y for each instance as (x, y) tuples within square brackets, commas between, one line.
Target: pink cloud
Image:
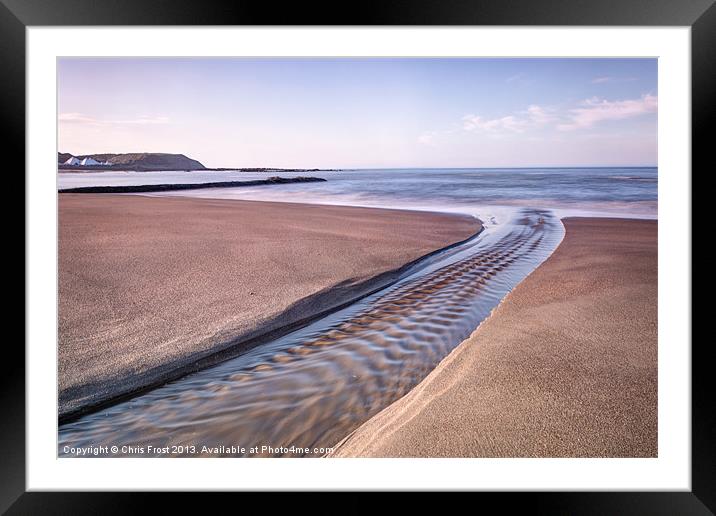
[(427, 138), (76, 118), (79, 118), (595, 110), (539, 115), (533, 116), (506, 123), (604, 79)]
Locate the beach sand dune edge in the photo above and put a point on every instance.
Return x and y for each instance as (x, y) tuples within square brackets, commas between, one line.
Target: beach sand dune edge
[(566, 366), (151, 288)]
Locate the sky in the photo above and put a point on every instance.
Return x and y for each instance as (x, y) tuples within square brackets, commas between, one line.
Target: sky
[(363, 112)]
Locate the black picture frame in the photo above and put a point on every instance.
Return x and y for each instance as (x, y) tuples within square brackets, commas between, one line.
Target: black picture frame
[(700, 15)]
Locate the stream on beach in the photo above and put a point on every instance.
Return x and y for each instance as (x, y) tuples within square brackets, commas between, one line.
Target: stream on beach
[(302, 393)]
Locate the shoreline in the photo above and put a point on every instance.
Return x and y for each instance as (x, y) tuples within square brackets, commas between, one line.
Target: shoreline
[(276, 180), (99, 168), (454, 394), (84, 397)]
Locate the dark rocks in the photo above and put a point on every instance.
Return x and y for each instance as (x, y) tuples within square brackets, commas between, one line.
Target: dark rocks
[(189, 186)]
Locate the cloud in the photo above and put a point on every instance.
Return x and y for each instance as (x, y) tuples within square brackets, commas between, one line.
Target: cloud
[(533, 116), (540, 116), (603, 79), (427, 138), (76, 118), (520, 79), (505, 123), (596, 110), (80, 118), (144, 120)]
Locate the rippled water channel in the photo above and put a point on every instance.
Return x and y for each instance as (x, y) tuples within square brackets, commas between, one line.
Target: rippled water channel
[(312, 387)]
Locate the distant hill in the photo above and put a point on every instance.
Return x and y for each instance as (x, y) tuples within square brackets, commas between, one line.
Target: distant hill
[(137, 161)]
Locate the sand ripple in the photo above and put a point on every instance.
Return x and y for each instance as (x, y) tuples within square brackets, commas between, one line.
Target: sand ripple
[(314, 386)]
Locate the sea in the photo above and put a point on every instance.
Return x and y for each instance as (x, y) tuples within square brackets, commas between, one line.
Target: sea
[(606, 192)]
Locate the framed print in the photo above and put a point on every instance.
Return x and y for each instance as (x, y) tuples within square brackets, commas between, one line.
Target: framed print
[(441, 248)]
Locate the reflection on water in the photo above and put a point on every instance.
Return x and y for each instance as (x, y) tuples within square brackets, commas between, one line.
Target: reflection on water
[(314, 386)]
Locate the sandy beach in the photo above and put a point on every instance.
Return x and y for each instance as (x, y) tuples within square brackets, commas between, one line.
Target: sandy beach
[(566, 366), (151, 288)]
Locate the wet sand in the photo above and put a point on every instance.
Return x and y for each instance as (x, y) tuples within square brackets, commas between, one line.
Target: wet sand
[(566, 366), (151, 288)]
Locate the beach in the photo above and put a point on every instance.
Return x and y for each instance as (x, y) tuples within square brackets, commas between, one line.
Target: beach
[(151, 288), (566, 366)]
